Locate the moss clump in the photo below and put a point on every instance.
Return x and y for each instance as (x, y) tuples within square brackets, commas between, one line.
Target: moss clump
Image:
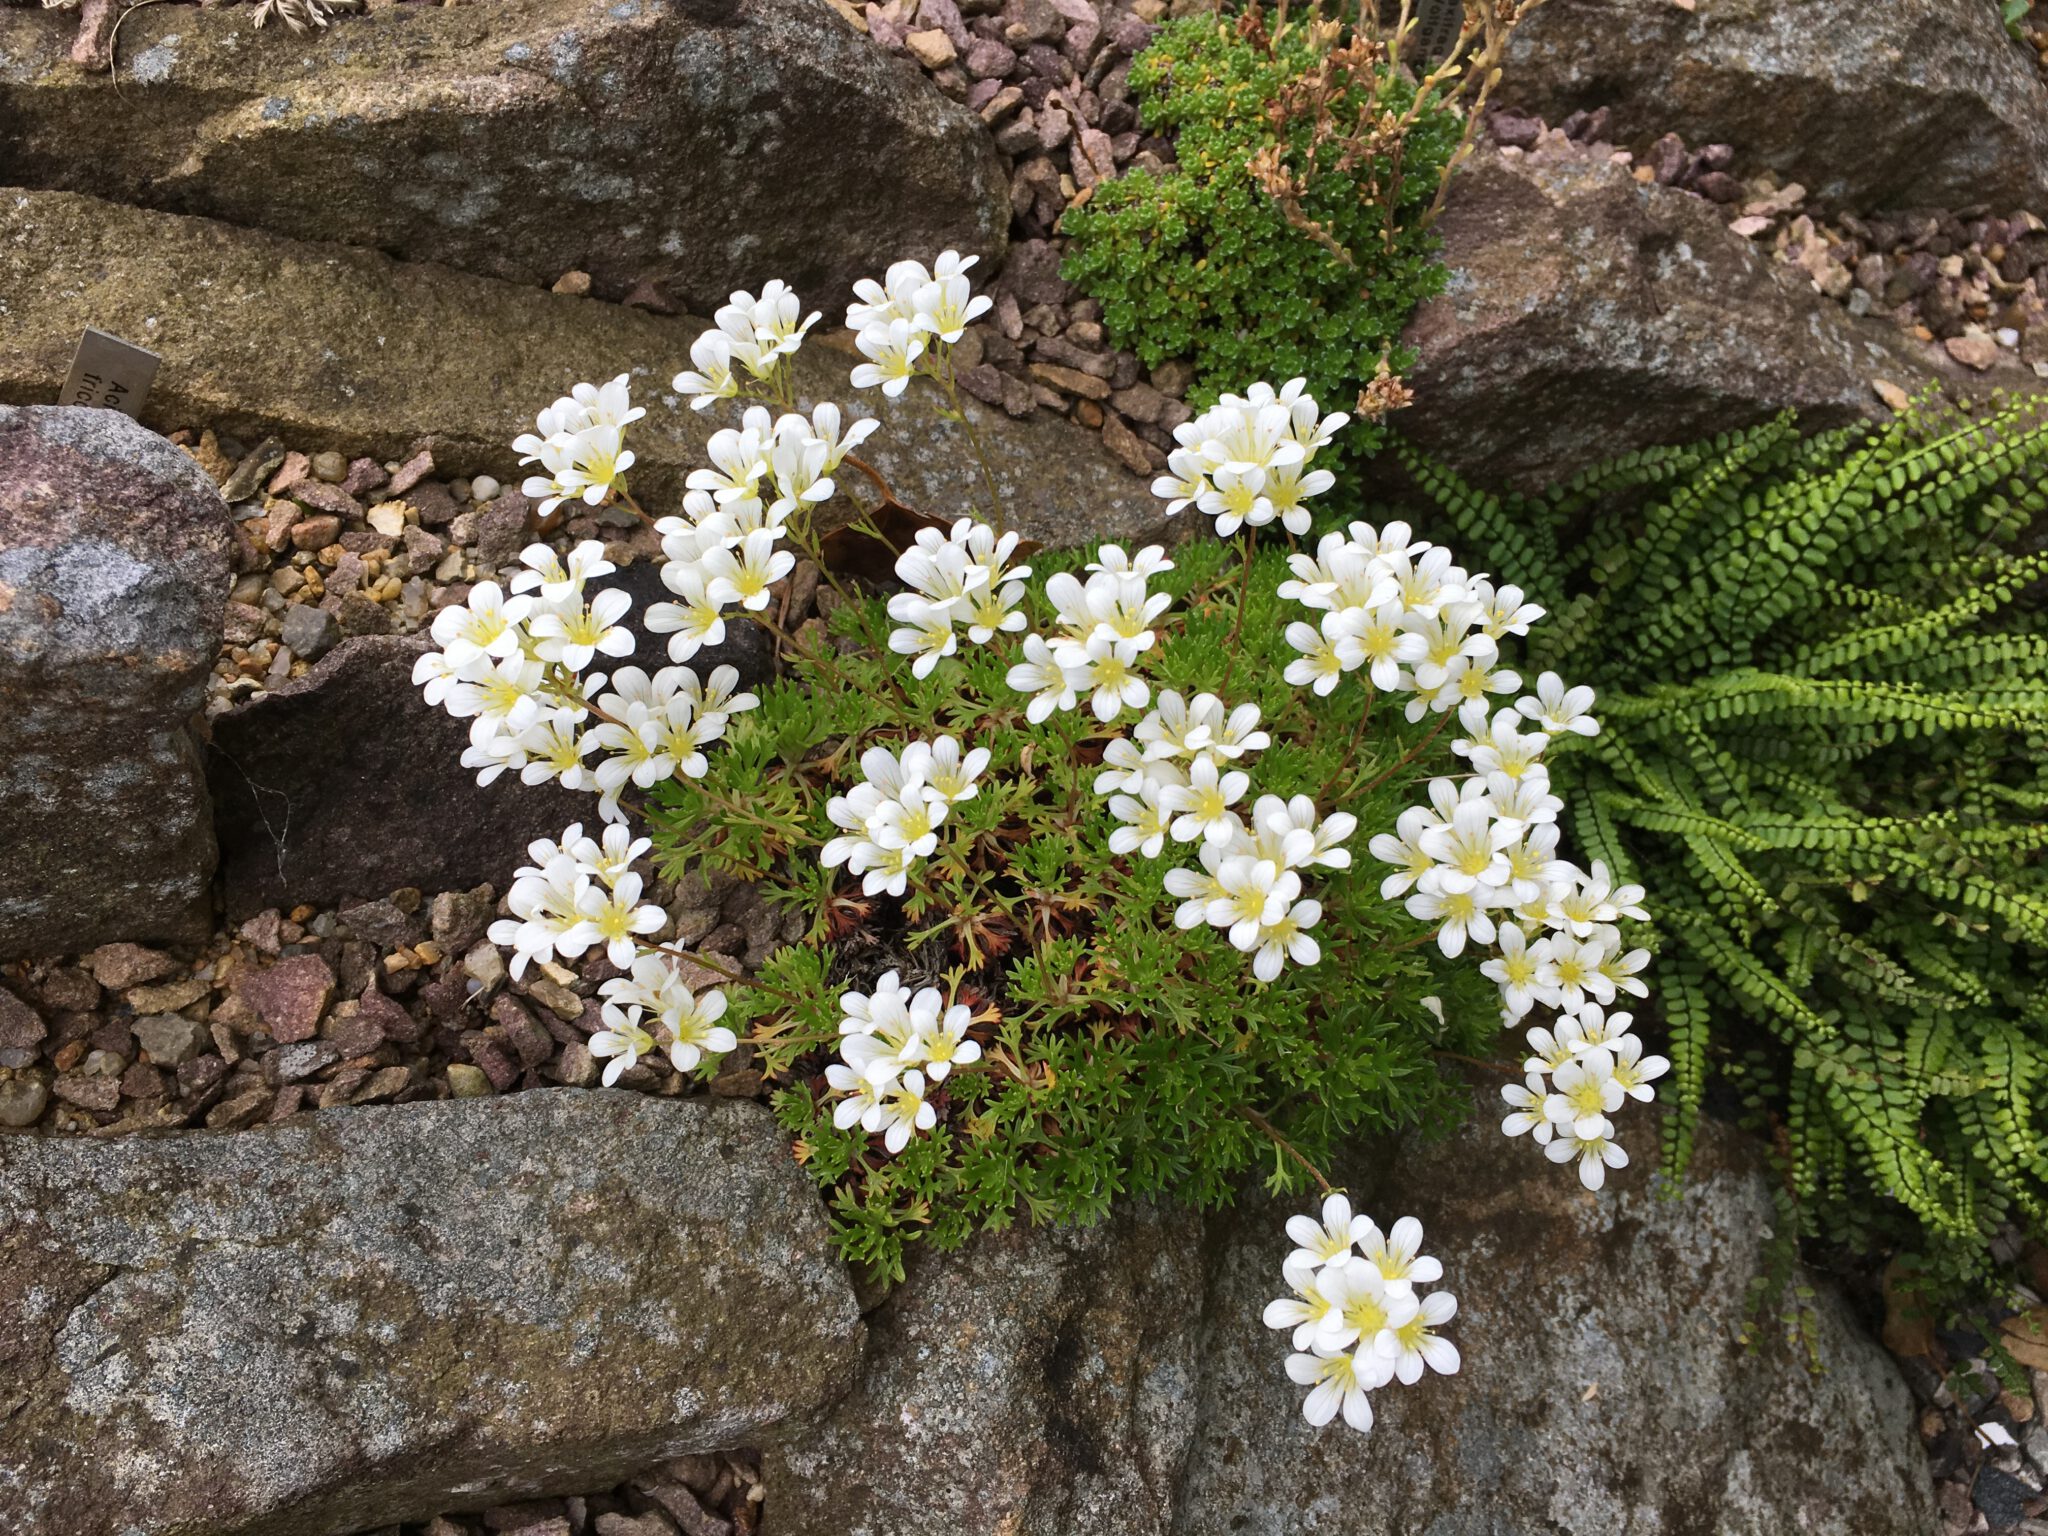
[(1268, 252)]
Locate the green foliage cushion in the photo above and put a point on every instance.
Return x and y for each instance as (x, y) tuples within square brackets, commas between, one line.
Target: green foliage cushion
[(1131, 1057), (1199, 262)]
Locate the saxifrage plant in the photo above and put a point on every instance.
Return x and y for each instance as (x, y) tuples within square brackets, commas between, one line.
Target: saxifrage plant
[(1071, 837)]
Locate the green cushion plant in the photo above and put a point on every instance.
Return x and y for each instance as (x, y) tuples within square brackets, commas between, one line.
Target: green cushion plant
[(1202, 260), (1067, 847)]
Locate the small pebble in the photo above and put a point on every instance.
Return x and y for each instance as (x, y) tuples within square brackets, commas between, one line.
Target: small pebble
[(484, 488), (22, 1101)]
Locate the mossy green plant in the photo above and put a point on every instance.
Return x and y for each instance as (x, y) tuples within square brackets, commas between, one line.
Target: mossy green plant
[(1202, 261)]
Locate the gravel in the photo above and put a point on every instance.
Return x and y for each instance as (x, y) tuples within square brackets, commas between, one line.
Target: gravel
[(1051, 79), (1970, 281)]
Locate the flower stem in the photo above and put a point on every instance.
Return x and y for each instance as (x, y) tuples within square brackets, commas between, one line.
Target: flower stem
[(1244, 592), (625, 499), (1265, 1128), (1404, 759), (974, 441), (1351, 747)]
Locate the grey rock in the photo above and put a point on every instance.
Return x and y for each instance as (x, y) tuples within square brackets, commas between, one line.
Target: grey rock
[(296, 1062), (254, 469), (229, 310), (310, 780), (1913, 103), (22, 1101), (382, 922), (458, 919), (379, 1313), (1052, 1373), (171, 1039), (308, 632), (1604, 1386), (1121, 1378), (113, 574), (1588, 314), (674, 130)]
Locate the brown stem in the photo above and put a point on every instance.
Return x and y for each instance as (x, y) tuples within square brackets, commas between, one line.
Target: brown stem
[(1405, 758), (888, 495), (625, 499), (1351, 747), (1265, 1128)]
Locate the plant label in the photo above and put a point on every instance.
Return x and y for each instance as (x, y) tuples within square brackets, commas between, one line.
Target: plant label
[(1437, 23), (109, 372)]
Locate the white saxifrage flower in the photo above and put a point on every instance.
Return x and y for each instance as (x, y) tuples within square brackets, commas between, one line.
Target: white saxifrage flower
[(893, 1043), (1245, 460), (1353, 1314), (891, 820)]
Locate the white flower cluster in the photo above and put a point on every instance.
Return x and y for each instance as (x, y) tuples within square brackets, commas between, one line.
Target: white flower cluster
[(1480, 860), (753, 334), (580, 445), (516, 668), (911, 312), (893, 1043), (1398, 608), (724, 551), (892, 818), (577, 894), (1593, 1064), (1105, 629), (960, 580), (1245, 460), (1357, 1321), (1174, 779), (581, 893), (653, 1006)]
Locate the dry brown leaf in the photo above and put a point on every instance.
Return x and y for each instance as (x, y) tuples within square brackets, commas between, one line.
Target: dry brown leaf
[(853, 552), (2026, 1336), (1908, 1326)]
